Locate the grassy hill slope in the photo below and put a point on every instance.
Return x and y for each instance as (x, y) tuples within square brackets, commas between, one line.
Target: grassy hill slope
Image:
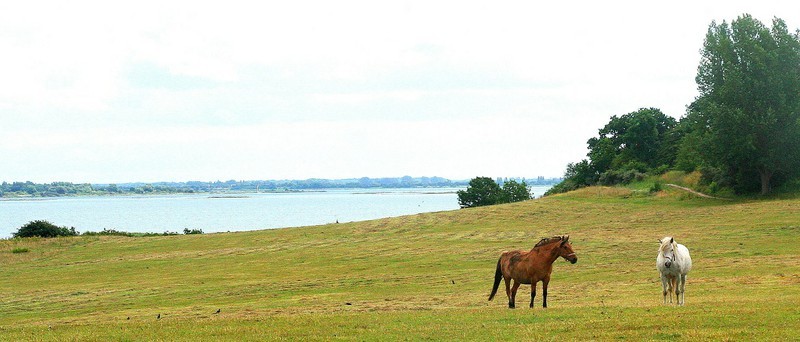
[(421, 277)]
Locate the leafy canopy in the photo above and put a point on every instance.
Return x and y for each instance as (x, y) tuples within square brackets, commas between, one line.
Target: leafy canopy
[(484, 191), (625, 148), (746, 121), (42, 228)]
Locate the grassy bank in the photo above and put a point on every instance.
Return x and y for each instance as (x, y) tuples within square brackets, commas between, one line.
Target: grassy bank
[(421, 277)]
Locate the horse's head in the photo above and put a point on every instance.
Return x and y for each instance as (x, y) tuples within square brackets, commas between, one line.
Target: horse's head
[(565, 250), (667, 249)]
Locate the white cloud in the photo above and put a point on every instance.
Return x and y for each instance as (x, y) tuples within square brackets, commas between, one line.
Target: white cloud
[(202, 90)]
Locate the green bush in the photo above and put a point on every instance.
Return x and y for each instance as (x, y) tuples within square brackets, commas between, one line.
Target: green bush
[(188, 231), (614, 177), (114, 232), (108, 232), (166, 233), (656, 187), (44, 229), (18, 250)]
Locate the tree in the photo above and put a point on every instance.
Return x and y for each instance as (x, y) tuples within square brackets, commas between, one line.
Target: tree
[(747, 116), (515, 192), (578, 175), (480, 192), (42, 228), (640, 137), (625, 148), (485, 191)]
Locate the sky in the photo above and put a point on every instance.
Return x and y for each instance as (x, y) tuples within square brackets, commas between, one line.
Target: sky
[(147, 91)]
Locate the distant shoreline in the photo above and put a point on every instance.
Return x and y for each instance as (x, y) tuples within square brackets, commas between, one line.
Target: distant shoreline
[(30, 190)]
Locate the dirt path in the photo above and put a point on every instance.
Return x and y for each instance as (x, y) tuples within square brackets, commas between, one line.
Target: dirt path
[(695, 192)]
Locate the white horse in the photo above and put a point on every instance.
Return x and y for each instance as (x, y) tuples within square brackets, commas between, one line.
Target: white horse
[(674, 263)]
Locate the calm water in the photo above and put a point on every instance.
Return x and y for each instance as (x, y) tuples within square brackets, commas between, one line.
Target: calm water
[(211, 214)]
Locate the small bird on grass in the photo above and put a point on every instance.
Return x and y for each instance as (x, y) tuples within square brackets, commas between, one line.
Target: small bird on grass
[(218, 310)]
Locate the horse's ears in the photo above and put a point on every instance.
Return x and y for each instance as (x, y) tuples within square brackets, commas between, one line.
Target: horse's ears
[(659, 241), (671, 240), (564, 239)]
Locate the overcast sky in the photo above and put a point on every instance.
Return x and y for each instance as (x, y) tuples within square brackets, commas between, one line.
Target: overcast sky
[(117, 92)]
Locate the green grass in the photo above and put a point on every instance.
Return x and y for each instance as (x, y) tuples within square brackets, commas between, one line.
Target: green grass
[(421, 277)]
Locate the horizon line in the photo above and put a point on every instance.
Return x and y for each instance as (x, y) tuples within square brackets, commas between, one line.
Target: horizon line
[(277, 180)]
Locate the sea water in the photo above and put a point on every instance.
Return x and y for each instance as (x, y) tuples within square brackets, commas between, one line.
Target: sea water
[(225, 212)]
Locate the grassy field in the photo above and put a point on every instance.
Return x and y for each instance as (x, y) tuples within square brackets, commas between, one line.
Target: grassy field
[(421, 277)]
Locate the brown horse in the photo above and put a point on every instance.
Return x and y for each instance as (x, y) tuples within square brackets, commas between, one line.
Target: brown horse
[(531, 267)]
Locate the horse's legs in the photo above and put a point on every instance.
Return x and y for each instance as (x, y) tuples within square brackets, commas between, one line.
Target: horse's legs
[(664, 285), (545, 281), (682, 281), (508, 287), (513, 294), (674, 288), (533, 293)]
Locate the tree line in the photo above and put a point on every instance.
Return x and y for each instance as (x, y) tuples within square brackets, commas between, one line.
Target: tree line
[(742, 132), (56, 189)]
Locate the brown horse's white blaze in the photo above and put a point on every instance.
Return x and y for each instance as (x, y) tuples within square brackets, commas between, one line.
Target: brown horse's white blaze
[(531, 267)]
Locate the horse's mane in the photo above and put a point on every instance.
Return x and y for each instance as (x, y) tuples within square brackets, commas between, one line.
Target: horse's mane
[(665, 242), (547, 241)]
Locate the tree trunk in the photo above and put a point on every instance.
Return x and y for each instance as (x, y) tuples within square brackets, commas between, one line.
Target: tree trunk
[(766, 175)]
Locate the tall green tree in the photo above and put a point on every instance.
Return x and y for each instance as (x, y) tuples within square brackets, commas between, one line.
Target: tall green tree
[(639, 137), (480, 192), (747, 116)]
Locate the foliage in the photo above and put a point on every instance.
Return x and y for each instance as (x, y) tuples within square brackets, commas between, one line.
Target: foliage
[(513, 191), (187, 231), (578, 175), (44, 229), (656, 187), (643, 136), (108, 232), (484, 191), (481, 191), (18, 250), (745, 124), (625, 149), (17, 189), (613, 177), (114, 232)]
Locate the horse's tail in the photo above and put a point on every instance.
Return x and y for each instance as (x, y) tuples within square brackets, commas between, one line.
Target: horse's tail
[(497, 276)]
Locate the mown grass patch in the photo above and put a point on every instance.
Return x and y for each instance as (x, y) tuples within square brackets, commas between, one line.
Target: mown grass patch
[(424, 276)]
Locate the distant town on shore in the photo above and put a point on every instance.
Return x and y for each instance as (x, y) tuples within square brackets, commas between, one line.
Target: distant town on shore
[(57, 189)]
